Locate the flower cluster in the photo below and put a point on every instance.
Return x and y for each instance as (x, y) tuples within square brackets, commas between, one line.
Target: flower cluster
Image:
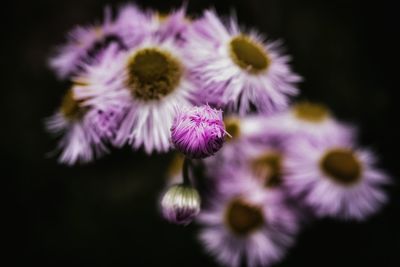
[(221, 96)]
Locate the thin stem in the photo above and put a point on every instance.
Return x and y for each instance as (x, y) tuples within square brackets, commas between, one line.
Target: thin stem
[(185, 172)]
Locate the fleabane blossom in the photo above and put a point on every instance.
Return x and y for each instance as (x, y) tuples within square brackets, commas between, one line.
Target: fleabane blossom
[(335, 178), (239, 70), (150, 82), (83, 130), (85, 43), (310, 120), (247, 224)]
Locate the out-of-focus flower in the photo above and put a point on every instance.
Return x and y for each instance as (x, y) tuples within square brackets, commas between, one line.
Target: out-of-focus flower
[(173, 25), (198, 132), (334, 178), (247, 148), (252, 225), (267, 167), (180, 204), (82, 138), (248, 128), (310, 120), (86, 43), (150, 81), (239, 70)]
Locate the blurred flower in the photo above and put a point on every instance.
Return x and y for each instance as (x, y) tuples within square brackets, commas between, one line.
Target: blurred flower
[(150, 81), (239, 70), (311, 120), (174, 25), (266, 166), (249, 224), (85, 43), (180, 204), (249, 128), (334, 178), (82, 138), (250, 142), (198, 132)]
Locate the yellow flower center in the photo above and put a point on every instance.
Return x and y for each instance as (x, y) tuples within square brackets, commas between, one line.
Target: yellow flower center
[(232, 126), (161, 16), (153, 74), (268, 168), (70, 107), (310, 112), (342, 166), (249, 54), (243, 218)]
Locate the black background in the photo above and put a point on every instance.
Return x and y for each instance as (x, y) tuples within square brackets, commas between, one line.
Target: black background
[(105, 213)]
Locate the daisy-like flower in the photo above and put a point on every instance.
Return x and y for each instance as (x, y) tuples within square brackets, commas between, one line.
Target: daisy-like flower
[(334, 178), (151, 82), (313, 121), (82, 136), (239, 70), (198, 132), (266, 164), (245, 128), (248, 225), (253, 128), (248, 139), (85, 43), (174, 25)]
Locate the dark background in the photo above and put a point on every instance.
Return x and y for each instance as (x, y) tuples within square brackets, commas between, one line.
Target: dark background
[(105, 213)]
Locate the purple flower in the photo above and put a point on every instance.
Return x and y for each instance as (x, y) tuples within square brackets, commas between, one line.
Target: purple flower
[(86, 43), (250, 146), (239, 70), (248, 224), (180, 204), (265, 163), (198, 132), (149, 81), (107, 121), (174, 25), (249, 128), (309, 120), (82, 138), (334, 178)]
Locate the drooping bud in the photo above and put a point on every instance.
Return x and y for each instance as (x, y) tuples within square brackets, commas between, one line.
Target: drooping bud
[(198, 132), (180, 204)]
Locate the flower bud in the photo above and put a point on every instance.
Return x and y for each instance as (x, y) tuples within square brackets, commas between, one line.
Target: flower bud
[(198, 132), (180, 204)]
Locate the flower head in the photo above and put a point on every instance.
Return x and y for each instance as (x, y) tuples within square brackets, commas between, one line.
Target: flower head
[(198, 132), (149, 81), (86, 43), (334, 178), (250, 146), (83, 137), (309, 120), (173, 25), (180, 204), (237, 70), (248, 224)]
